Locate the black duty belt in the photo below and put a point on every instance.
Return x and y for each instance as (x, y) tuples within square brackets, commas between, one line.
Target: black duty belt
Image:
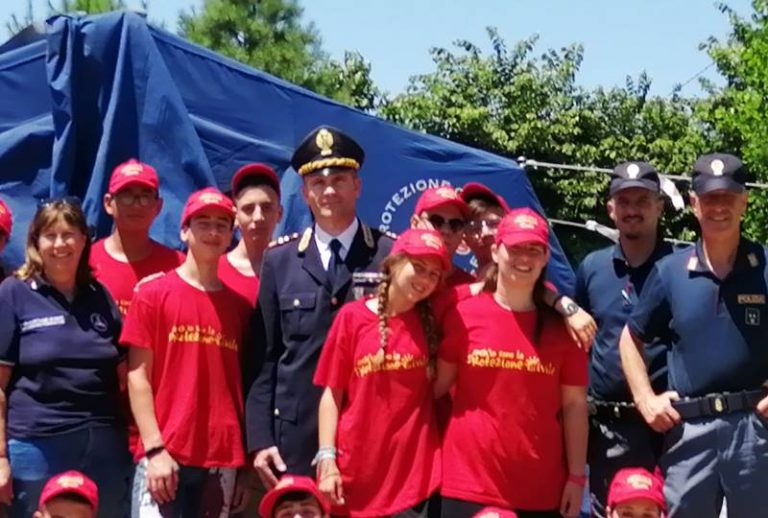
[(613, 410), (713, 405)]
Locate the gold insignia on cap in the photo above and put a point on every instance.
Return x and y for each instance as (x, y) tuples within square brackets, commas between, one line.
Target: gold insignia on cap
[(210, 197), (632, 171), (752, 258), (284, 482), (638, 481), (324, 141), (526, 221), (70, 481), (368, 236), (131, 169), (431, 241), (717, 167), (447, 192), (305, 238)]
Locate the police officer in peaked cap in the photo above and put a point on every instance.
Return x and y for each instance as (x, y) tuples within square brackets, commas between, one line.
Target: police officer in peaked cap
[(305, 278)]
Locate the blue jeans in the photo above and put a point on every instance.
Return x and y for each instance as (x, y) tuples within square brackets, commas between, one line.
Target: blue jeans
[(99, 452)]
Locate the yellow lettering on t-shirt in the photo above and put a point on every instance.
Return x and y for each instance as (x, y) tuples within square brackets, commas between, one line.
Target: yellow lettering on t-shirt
[(202, 335), (509, 360), (392, 362)]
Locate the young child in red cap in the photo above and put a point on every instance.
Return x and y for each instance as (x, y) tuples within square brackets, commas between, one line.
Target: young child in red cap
[(185, 331), (379, 449), (636, 493), (69, 495), (294, 496)]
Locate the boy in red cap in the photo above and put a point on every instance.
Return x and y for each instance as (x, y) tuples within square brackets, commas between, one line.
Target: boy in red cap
[(68, 495), (443, 210), (636, 493), (256, 192), (185, 330), (6, 225), (486, 208), (128, 254), (294, 496)]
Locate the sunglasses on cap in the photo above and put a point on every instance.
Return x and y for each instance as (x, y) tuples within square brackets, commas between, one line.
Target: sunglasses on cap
[(72, 201), (438, 223)]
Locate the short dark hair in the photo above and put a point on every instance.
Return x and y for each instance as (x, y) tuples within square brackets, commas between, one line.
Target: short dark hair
[(481, 202)]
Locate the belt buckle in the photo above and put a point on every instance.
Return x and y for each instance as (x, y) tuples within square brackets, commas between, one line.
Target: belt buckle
[(719, 404)]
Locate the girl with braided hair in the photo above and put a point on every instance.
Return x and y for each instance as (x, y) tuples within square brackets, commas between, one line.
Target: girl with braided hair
[(517, 434), (379, 443)]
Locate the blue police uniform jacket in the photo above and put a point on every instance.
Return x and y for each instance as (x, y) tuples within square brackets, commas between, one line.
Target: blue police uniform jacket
[(293, 316), (608, 288), (719, 340)]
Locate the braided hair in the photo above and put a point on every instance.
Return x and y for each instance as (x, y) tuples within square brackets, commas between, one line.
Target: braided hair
[(424, 309)]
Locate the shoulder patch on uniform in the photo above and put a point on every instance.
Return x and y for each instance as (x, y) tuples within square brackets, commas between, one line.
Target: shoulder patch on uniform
[(283, 240), (306, 236), (368, 236)]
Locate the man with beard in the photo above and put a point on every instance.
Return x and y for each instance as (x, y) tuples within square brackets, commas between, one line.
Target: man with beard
[(608, 283)]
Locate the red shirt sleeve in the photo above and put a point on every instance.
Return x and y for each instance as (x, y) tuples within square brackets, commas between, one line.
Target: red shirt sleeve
[(454, 344), (140, 321), (335, 366), (575, 370)]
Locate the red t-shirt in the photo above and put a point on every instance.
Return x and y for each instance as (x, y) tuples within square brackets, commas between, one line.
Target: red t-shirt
[(247, 286), (389, 447), (504, 442), (458, 277), (195, 337), (121, 277)]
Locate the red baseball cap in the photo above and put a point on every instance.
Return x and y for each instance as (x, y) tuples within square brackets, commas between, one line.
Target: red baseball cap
[(70, 482), (495, 512), (523, 226), (207, 198), (290, 484), (477, 190), (439, 196), (6, 218), (133, 172), (416, 242), (256, 170), (632, 483)]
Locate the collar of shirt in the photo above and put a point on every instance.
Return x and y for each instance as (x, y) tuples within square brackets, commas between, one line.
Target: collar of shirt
[(323, 241), (662, 248), (747, 256)]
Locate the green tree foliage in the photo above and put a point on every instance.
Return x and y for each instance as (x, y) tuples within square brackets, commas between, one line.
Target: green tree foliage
[(739, 110), (513, 102), (269, 35)]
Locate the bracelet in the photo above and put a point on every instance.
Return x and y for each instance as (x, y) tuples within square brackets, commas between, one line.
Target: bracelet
[(579, 480), (154, 451), (324, 453)]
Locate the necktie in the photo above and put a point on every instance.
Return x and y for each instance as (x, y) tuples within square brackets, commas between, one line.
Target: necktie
[(335, 263)]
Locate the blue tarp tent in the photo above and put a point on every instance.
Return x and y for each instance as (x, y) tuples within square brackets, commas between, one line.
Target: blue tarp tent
[(93, 91)]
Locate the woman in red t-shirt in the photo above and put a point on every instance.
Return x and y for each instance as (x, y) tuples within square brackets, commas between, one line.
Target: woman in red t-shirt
[(517, 436), (379, 444)]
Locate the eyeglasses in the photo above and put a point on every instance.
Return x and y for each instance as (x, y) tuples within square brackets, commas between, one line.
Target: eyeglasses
[(438, 222), (126, 199), (72, 201), (483, 226)]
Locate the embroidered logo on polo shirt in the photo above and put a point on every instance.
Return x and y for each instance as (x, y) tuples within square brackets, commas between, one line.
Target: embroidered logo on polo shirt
[(757, 298), (99, 323), (752, 317), (40, 322)]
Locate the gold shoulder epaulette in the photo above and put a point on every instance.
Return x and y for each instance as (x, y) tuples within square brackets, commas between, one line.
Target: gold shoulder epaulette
[(306, 237), (283, 240)]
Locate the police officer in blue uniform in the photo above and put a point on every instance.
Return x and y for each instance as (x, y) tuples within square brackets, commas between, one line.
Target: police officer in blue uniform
[(608, 283), (304, 280), (712, 297)]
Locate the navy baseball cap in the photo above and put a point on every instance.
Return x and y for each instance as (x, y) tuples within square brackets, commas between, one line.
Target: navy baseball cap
[(634, 174), (718, 171)]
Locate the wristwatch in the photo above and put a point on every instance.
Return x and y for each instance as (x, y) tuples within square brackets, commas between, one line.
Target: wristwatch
[(570, 309)]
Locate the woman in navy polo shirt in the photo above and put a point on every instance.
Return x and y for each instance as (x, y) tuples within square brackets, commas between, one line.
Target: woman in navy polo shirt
[(58, 376)]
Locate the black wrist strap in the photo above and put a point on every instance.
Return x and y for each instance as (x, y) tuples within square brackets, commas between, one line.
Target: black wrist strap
[(154, 451), (557, 299)]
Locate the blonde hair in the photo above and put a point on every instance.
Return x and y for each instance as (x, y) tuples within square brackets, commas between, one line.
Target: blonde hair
[(424, 309), (47, 215)]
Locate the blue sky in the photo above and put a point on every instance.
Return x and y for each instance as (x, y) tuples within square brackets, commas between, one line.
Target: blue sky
[(621, 37)]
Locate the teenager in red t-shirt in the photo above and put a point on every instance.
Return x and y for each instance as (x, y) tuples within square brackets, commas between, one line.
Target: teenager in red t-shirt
[(441, 209), (185, 329), (379, 449), (128, 254), (256, 191), (517, 435)]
